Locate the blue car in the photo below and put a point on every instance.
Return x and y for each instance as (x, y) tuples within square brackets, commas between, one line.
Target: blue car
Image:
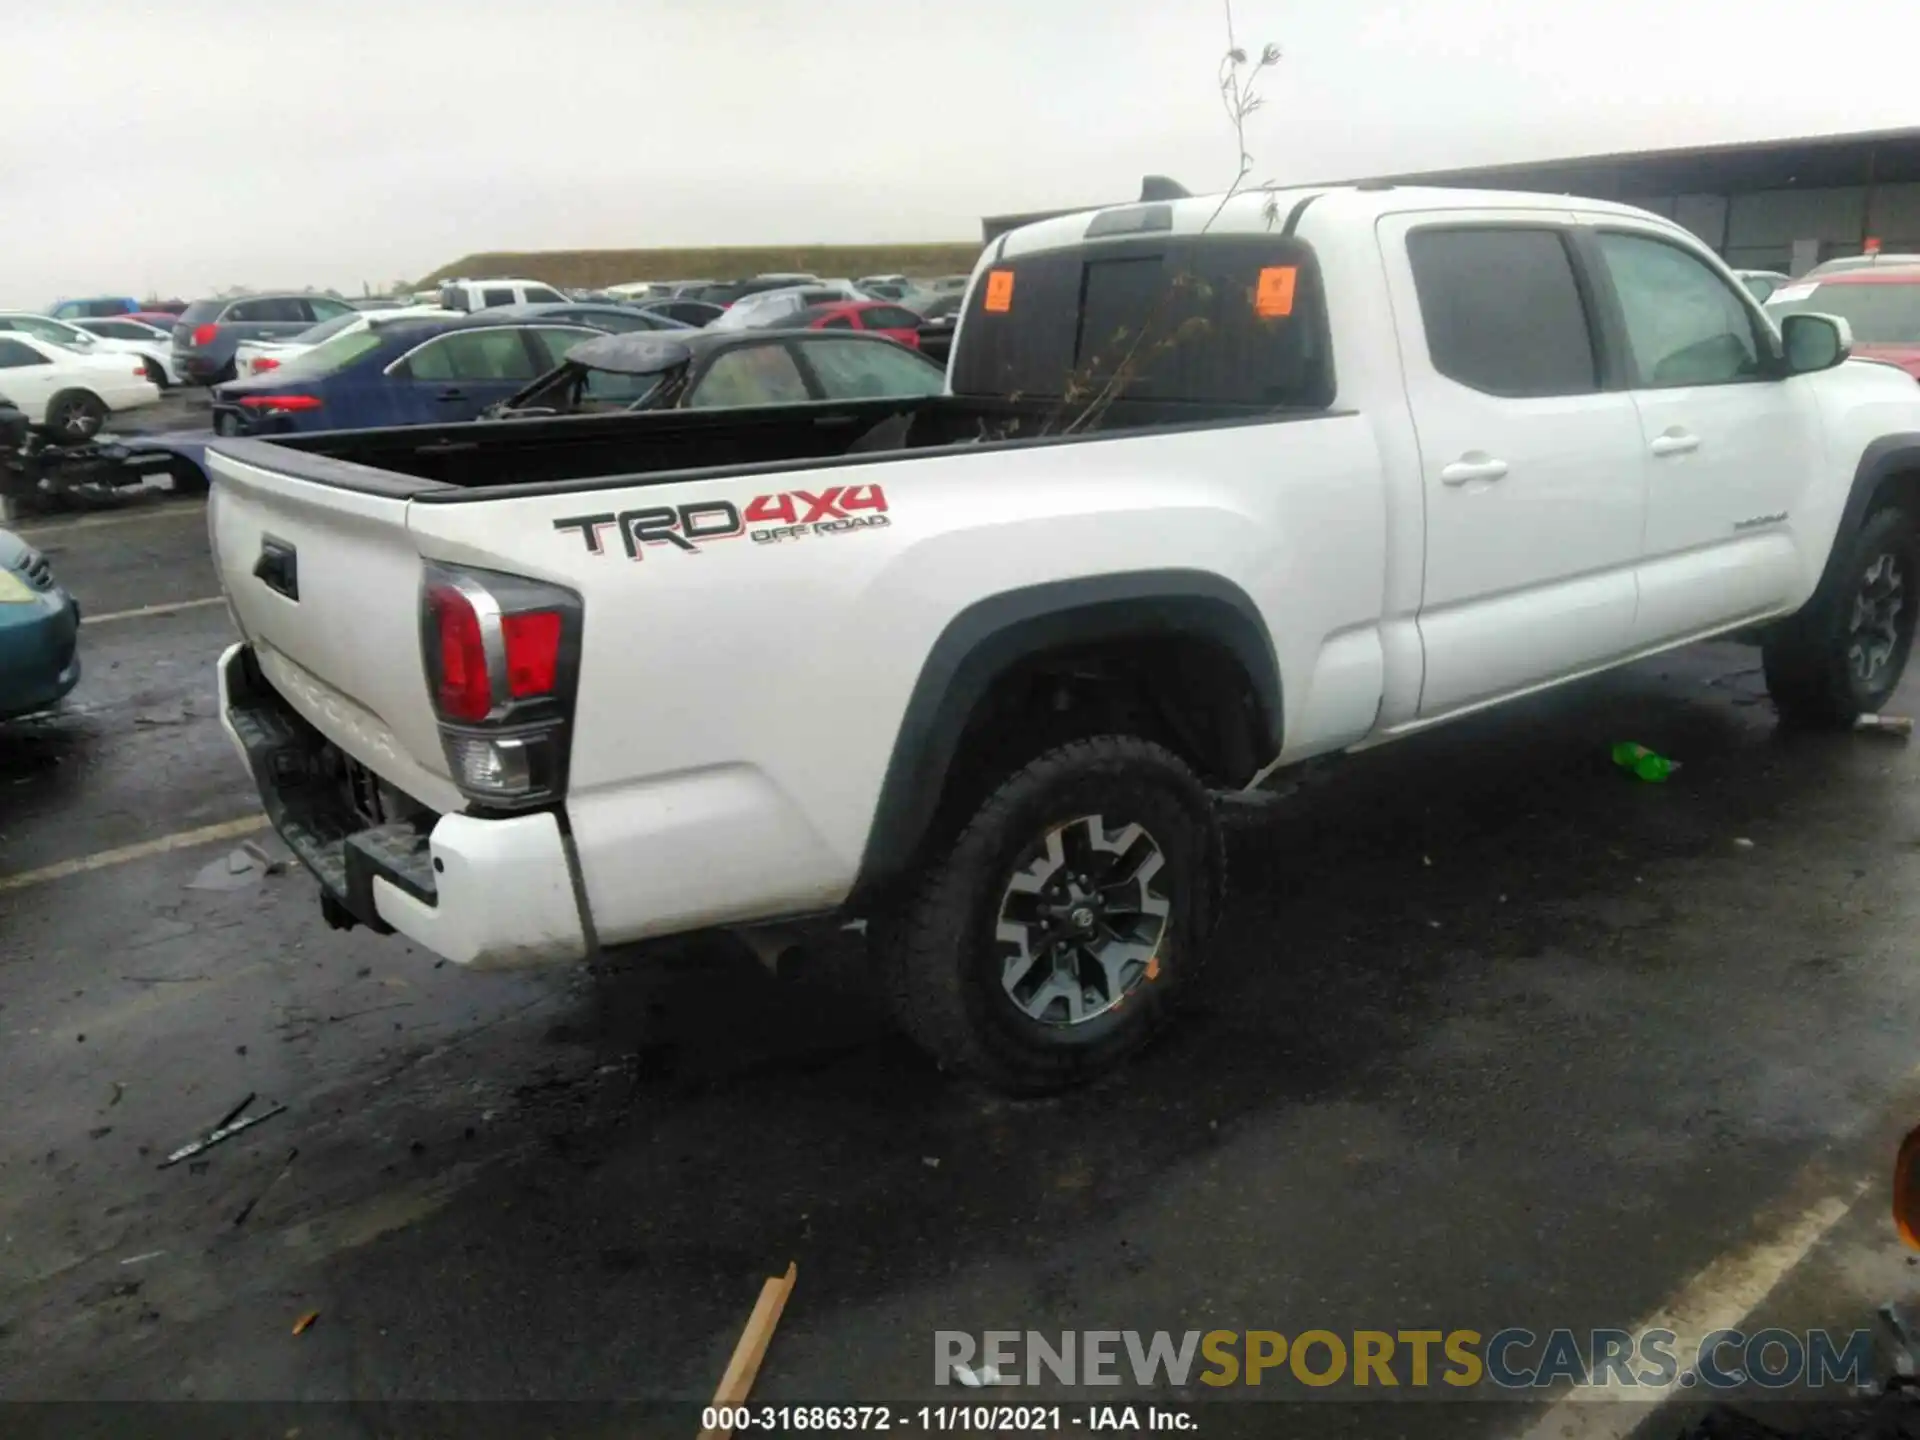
[(39, 631), (415, 371)]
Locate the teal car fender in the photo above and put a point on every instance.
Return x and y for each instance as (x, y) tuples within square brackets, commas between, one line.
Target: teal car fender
[(39, 631)]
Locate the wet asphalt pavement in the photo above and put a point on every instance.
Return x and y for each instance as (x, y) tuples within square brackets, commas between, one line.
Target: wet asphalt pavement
[(1495, 1035)]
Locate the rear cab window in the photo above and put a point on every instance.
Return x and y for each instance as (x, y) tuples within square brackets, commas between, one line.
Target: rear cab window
[(1502, 309), (1201, 319)]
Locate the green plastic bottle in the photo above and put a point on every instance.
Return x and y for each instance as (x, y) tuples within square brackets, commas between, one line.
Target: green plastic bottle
[(1643, 762)]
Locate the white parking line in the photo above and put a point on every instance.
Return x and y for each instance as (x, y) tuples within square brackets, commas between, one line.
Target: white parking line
[(172, 511), (164, 608), (102, 859)]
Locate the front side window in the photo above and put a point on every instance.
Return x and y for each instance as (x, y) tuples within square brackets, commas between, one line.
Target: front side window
[(870, 370), (544, 295), (326, 308), (1502, 310), (1685, 325), (118, 329), (750, 375), (473, 355), (14, 355)]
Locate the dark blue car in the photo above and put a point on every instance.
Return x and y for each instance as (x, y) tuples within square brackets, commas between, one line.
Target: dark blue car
[(417, 371)]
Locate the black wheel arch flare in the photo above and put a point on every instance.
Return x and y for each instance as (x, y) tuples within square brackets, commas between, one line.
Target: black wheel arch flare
[(993, 635)]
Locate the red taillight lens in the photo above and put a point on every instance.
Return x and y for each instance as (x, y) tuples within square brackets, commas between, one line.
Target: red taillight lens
[(280, 402), (263, 363), (462, 688), (533, 652), (203, 334)]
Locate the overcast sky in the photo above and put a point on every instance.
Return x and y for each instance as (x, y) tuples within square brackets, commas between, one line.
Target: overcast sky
[(192, 144)]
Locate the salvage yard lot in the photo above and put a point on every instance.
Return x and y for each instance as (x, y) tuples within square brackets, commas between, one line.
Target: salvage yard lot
[(1496, 1036)]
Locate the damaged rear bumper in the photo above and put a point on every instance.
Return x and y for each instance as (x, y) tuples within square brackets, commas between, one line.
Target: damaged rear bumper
[(489, 893)]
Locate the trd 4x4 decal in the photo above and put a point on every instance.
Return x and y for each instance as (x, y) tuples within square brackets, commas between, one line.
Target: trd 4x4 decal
[(767, 520)]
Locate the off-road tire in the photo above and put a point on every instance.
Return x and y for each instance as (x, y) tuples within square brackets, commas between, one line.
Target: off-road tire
[(71, 407), (940, 966), (1808, 660)]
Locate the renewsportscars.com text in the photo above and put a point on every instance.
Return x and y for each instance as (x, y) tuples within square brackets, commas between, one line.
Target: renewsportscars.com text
[(1377, 1360)]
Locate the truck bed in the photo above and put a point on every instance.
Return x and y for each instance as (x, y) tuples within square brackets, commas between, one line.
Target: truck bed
[(510, 457)]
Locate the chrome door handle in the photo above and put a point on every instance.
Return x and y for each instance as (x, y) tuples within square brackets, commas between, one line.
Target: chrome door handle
[(1461, 471), (1675, 442)]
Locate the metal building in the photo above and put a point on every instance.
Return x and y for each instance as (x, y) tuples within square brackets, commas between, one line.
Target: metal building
[(1765, 205)]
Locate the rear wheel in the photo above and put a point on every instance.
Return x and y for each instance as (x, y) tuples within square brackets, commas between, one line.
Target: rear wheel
[(1056, 935), (75, 415), (1843, 655), (156, 372)]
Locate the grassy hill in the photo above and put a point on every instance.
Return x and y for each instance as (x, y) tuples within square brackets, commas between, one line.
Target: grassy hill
[(613, 267)]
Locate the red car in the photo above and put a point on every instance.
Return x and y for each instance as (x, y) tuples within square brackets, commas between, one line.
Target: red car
[(1880, 302), (878, 317)]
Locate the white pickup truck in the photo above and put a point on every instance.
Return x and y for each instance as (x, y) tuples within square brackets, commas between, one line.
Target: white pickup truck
[(1210, 494)]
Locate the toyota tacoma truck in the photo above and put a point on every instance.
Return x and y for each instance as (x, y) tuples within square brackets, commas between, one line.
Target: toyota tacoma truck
[(1215, 487)]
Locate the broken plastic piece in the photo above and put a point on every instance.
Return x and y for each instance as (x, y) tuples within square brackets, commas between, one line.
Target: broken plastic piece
[(305, 1322), (224, 1131), (1901, 725), (1643, 762)]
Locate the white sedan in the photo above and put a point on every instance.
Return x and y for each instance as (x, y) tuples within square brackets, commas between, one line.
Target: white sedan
[(70, 393), (256, 357), (154, 348), (137, 337)]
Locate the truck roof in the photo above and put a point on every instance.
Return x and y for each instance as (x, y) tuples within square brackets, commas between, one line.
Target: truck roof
[(1246, 212)]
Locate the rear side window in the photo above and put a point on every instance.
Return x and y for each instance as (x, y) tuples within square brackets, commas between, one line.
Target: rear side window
[(1502, 310), (474, 355), (889, 317), (202, 312), (280, 310), (1203, 319), (542, 295), (496, 296), (329, 356), (13, 355)]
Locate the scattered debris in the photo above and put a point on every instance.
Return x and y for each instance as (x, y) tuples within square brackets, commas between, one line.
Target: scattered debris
[(752, 1348), (370, 1010), (99, 1132), (246, 864), (286, 1167), (305, 1322), (166, 979), (1901, 725), (1743, 842), (1643, 762), (149, 1255), (932, 1162), (224, 1131), (118, 1091)]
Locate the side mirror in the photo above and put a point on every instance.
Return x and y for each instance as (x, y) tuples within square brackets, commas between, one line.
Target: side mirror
[(1815, 342)]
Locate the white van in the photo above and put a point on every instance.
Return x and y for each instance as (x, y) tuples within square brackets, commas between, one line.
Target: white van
[(471, 295)]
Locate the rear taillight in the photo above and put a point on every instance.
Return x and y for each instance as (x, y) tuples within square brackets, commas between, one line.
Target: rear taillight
[(502, 657), (264, 363), (203, 334), (280, 402)]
